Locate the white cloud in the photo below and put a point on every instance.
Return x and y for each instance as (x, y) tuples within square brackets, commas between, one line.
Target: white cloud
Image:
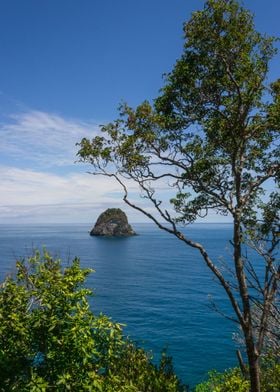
[(42, 184), (36, 148), (45, 139), (38, 178), (29, 187), (33, 196)]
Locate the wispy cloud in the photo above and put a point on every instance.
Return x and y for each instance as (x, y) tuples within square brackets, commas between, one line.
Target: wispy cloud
[(39, 181), (43, 139), (34, 196), (30, 187)]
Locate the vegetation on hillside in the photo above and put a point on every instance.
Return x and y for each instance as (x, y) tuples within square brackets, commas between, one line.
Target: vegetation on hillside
[(51, 341), (233, 380)]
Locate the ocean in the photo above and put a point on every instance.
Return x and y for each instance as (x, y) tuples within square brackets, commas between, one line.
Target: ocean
[(153, 283)]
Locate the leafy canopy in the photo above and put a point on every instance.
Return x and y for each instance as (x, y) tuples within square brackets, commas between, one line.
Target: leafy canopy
[(212, 137), (212, 133)]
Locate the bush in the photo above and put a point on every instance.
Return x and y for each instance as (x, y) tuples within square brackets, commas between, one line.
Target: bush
[(229, 381), (50, 339), (233, 381)]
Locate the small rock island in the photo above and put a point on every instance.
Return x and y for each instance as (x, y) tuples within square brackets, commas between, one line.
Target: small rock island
[(112, 223)]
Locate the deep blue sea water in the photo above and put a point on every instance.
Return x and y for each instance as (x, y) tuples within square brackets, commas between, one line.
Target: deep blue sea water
[(153, 283)]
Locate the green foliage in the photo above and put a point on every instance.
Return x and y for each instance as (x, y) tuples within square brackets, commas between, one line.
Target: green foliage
[(214, 128), (50, 340), (229, 381), (271, 373), (233, 381)]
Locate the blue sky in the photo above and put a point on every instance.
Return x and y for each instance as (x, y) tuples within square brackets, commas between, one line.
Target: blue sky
[(65, 67)]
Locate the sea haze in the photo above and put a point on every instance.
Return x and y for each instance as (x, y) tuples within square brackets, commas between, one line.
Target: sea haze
[(152, 282)]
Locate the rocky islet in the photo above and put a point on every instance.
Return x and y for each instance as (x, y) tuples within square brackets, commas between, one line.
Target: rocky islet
[(112, 223)]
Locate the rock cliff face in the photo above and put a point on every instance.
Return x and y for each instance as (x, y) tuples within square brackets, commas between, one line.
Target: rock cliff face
[(112, 223)]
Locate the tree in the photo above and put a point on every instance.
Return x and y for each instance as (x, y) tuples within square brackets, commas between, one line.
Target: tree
[(211, 135), (50, 340)]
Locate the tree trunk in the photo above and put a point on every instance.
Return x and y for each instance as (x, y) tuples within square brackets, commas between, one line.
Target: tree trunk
[(241, 364), (247, 325), (254, 371)]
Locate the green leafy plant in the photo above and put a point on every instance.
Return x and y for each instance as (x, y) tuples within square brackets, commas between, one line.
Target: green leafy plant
[(50, 339), (232, 380), (229, 381)]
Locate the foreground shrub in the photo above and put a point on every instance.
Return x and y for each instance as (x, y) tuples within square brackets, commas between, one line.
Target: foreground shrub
[(229, 381), (50, 339), (233, 381)]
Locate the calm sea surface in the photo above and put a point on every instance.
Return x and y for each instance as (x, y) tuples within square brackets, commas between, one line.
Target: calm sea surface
[(152, 282)]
